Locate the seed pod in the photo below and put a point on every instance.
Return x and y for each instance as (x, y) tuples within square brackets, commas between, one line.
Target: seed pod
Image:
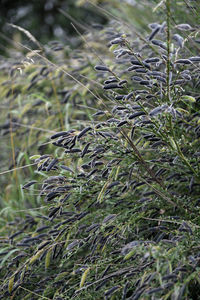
[(53, 212), (122, 123), (152, 60), (149, 96), (124, 293), (157, 110), (109, 218), (159, 143), (83, 132), (111, 290), (144, 82), (141, 70), (52, 164), (194, 58), (113, 184), (105, 173), (66, 168), (154, 32), (15, 234), (65, 198), (98, 163), (183, 61), (159, 78), (86, 166), (170, 276), (184, 27), (179, 39), (57, 48), (92, 227), (85, 150), (105, 271), (154, 290), (102, 68), (73, 142), (178, 82), (19, 256), (157, 73), (62, 133), (73, 150), (119, 97), (110, 81), (99, 113), (117, 41), (29, 184), (122, 53), (136, 62), (136, 78), (132, 133), (42, 228), (137, 114), (51, 196), (123, 82), (153, 25), (132, 68), (121, 108), (138, 97), (92, 172), (159, 44), (101, 284), (112, 86), (129, 96)]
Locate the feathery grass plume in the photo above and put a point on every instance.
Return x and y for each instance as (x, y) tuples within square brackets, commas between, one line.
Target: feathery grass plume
[(28, 34)]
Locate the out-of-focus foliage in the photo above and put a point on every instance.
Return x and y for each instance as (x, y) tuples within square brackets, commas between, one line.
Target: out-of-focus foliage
[(45, 20)]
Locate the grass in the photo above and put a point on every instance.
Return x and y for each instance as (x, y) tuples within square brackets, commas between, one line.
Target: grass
[(102, 197)]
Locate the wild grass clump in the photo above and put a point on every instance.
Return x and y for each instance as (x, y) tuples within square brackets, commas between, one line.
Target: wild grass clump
[(119, 215)]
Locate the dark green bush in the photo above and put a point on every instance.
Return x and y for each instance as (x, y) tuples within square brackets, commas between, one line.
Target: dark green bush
[(119, 188)]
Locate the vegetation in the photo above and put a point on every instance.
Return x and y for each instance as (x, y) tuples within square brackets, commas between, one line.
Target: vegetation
[(101, 200)]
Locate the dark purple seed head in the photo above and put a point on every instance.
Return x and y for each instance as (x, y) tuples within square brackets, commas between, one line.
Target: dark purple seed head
[(112, 86), (102, 68)]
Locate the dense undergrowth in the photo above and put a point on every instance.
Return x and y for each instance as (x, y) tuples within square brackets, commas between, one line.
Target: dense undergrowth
[(109, 205)]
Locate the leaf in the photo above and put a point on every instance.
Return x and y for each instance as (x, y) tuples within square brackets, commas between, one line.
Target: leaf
[(7, 256)]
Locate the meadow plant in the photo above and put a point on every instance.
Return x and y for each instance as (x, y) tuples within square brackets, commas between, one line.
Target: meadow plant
[(119, 188)]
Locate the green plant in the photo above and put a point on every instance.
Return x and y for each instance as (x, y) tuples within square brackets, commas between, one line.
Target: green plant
[(120, 209)]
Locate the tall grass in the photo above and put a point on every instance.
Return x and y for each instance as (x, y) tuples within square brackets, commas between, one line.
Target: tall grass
[(108, 206)]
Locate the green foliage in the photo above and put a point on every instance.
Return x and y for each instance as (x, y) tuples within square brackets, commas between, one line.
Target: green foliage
[(109, 208)]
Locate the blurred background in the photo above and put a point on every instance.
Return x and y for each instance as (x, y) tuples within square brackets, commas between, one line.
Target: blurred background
[(46, 19), (51, 19)]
